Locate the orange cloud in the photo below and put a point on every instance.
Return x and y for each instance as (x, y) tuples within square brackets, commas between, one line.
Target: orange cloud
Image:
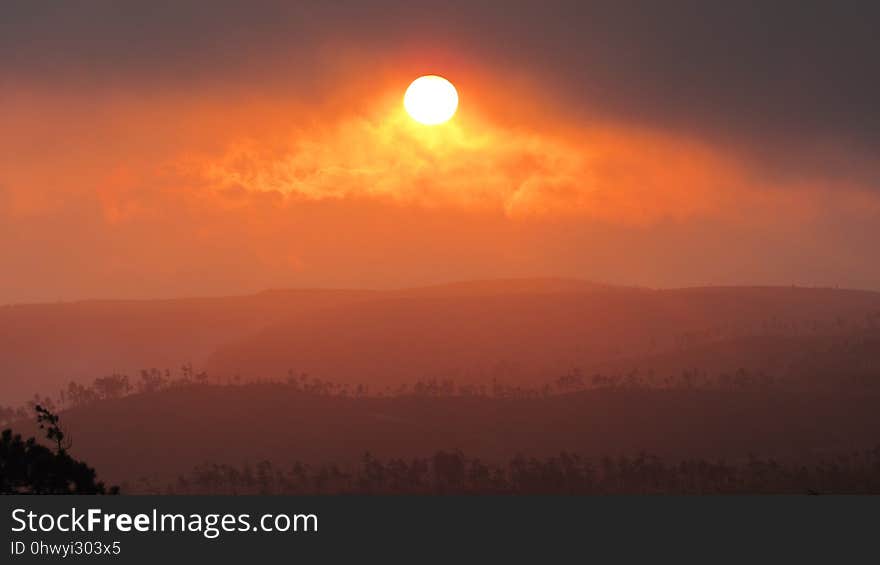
[(614, 174), (218, 192)]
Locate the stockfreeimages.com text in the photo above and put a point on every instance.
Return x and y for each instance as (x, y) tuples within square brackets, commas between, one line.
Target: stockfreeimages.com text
[(209, 525)]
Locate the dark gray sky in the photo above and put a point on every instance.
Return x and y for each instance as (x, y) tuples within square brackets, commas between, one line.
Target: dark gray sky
[(778, 70)]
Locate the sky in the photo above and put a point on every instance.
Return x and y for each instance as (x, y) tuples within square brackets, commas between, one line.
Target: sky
[(160, 149)]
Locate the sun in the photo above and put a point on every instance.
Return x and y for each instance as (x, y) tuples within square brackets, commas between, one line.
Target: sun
[(431, 100)]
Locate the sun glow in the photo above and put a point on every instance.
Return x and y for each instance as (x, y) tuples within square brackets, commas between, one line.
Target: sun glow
[(431, 100)]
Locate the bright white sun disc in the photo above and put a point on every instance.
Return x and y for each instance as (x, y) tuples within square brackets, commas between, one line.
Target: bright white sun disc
[(431, 100)]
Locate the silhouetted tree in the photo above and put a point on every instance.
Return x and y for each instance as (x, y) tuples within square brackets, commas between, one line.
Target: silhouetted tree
[(151, 381), (27, 467), (112, 386), (50, 422)]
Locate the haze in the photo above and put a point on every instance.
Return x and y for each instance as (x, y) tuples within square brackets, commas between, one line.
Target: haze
[(203, 149)]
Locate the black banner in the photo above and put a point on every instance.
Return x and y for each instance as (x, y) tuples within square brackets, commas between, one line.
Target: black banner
[(457, 529)]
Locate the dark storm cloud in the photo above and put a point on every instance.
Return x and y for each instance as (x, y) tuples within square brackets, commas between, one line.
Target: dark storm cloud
[(797, 83)]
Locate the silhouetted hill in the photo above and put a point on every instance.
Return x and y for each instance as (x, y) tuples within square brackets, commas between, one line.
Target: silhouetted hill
[(518, 330), (525, 336), (43, 346), (507, 286), (812, 362), (170, 432)]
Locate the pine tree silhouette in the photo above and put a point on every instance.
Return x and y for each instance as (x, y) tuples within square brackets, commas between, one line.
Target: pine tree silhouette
[(26, 467)]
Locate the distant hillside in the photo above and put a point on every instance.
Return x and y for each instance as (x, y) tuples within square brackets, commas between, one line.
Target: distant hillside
[(812, 361), (529, 336), (169, 432), (43, 346), (518, 330)]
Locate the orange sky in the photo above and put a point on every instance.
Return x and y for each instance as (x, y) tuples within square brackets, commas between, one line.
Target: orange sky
[(113, 186)]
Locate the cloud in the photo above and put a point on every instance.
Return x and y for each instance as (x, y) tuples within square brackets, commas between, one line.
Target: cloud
[(606, 173), (215, 147)]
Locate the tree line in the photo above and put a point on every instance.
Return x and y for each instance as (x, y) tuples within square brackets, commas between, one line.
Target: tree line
[(119, 385), (451, 472)]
